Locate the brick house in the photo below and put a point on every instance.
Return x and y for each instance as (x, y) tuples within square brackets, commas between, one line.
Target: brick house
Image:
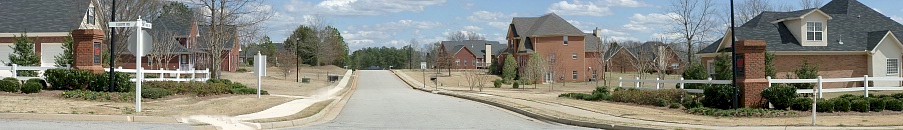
[(471, 54), (650, 57), (844, 38), (572, 55)]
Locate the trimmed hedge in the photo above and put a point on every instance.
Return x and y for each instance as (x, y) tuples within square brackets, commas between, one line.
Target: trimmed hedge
[(211, 87), (98, 96), (825, 105), (801, 104), (32, 86), (718, 96), (154, 93), (780, 96), (841, 104), (894, 104), (860, 105), (497, 83), (11, 86), (69, 79), (649, 97), (742, 112), (876, 104)]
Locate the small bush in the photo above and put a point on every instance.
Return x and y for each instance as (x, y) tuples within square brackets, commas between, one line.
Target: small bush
[(204, 88), (742, 112), (674, 106), (242, 70), (32, 86), (691, 102), (801, 104), (894, 104), (601, 90), (9, 86), (68, 79), (648, 97), (573, 95), (824, 105), (860, 105), (515, 85), (841, 104), (876, 104), (898, 96), (718, 96), (497, 83), (780, 96), (39, 81), (98, 96), (154, 93)]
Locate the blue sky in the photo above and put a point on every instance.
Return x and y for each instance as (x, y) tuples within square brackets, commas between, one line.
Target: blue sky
[(373, 23)]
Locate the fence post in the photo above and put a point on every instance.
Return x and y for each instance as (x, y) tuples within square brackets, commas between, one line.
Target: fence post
[(160, 76), (866, 85), (15, 72), (620, 83), (768, 78), (710, 80), (637, 83), (208, 74), (681, 82), (819, 87), (192, 74), (657, 84)]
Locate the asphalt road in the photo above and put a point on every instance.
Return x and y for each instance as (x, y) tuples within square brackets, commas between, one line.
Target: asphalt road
[(382, 101), (7, 124)]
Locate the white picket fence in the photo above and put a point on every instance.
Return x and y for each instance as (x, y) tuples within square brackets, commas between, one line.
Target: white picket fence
[(170, 75), (12, 69), (819, 83)]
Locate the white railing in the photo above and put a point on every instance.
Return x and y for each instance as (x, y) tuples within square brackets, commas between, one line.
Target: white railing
[(15, 68), (819, 83), (682, 82), (170, 75)]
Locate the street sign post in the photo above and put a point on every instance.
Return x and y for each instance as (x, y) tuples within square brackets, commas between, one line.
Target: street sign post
[(139, 51), (260, 70)]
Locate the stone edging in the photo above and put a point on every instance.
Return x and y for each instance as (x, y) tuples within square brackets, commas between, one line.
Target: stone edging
[(316, 117), (523, 112)]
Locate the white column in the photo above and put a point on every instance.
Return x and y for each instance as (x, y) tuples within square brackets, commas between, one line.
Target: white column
[(866, 85), (620, 83), (820, 83), (681, 82), (637, 83), (657, 84)]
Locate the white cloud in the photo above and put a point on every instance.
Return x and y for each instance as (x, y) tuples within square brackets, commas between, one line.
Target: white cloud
[(579, 8), (384, 34), (583, 26), (472, 28), (360, 7), (495, 19), (650, 22), (627, 3)]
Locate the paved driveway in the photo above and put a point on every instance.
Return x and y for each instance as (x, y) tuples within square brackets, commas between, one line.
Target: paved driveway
[(382, 101), (7, 124)]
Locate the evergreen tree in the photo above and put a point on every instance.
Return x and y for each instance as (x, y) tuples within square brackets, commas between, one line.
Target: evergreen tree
[(510, 70), (66, 58), (24, 55)]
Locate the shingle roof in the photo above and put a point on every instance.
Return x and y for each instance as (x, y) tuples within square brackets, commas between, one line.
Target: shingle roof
[(546, 25), (592, 43), (204, 30), (477, 47), (179, 25), (647, 50), (853, 23), (41, 15)]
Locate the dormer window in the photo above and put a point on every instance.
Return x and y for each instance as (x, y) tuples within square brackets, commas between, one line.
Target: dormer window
[(565, 40), (814, 31), (90, 16)]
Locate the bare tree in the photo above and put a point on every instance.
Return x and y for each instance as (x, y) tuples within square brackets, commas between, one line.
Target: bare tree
[(474, 79), (414, 53), (464, 35), (225, 18), (535, 69), (749, 9), (128, 10), (808, 4), (163, 52), (694, 20), (286, 63)]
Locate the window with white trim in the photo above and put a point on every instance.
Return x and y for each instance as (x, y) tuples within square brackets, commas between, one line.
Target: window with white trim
[(574, 56), (893, 66), (565, 40), (90, 14), (710, 67), (575, 75), (814, 31)]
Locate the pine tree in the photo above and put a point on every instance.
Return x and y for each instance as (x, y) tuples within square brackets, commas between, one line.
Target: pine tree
[(65, 58), (24, 55), (510, 70)]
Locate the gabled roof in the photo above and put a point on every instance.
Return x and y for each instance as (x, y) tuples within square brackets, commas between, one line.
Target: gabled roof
[(17, 16), (546, 25), (204, 30), (852, 22), (647, 51), (614, 49), (593, 43), (477, 47)]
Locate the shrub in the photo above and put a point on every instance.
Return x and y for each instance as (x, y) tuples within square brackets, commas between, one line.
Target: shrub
[(876, 104), (898, 96), (32, 86), (691, 102), (718, 96), (573, 95), (894, 104), (841, 104), (695, 72), (39, 81), (860, 105), (242, 70), (806, 71), (67, 79), (601, 90), (850, 97), (674, 106), (648, 97), (154, 93), (98, 96), (824, 105), (9, 86), (742, 112), (780, 96), (204, 88), (497, 83), (122, 83), (248, 91), (801, 104), (515, 85)]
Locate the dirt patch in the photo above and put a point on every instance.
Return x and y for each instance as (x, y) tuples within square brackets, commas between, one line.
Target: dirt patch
[(307, 112)]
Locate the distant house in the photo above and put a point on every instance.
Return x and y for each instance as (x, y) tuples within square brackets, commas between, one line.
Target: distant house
[(619, 59), (47, 22), (650, 57), (471, 54), (572, 55), (844, 38), (230, 49), (182, 29)]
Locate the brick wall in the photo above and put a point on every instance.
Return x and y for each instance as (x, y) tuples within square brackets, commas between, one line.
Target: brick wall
[(622, 62), (565, 63), (829, 66), (464, 59)]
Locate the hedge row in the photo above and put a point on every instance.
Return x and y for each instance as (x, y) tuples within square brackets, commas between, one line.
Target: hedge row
[(211, 87), (70, 79), (13, 85)]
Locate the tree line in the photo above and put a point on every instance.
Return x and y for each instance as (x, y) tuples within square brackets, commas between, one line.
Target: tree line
[(382, 57)]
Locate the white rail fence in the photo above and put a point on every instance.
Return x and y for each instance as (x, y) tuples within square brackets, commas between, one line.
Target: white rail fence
[(182, 75), (12, 69), (819, 83)]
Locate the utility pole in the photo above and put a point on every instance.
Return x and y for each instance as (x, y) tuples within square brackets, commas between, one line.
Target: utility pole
[(297, 60), (112, 50), (734, 61)]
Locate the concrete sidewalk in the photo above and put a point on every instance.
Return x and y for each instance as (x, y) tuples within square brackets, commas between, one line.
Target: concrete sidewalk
[(580, 117)]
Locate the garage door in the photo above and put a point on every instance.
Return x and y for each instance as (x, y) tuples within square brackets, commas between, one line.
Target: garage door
[(48, 52), (5, 51)]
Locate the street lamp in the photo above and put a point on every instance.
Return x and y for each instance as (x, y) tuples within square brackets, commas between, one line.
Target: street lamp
[(297, 60), (734, 60)]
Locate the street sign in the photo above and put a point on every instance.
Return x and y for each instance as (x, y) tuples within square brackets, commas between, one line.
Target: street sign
[(423, 65), (260, 70), (147, 43), (121, 24)]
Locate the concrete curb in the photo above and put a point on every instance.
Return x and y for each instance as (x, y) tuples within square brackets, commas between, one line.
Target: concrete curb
[(526, 113), (316, 117), (76, 117)]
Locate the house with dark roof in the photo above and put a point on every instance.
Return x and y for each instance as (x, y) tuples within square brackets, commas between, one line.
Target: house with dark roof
[(844, 38), (572, 55), (471, 54), (46, 22), (181, 28), (651, 57)]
